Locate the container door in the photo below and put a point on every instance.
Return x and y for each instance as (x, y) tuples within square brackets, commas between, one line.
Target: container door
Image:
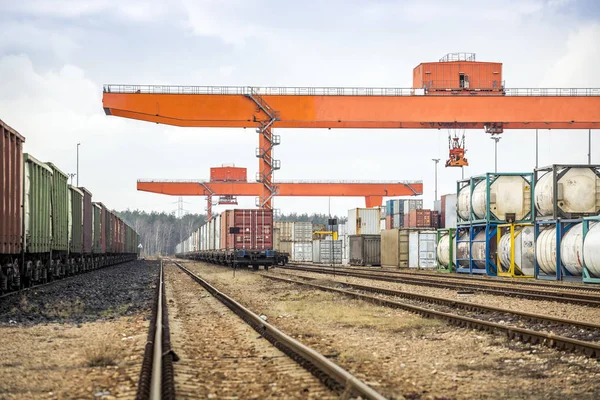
[(413, 249), (427, 249)]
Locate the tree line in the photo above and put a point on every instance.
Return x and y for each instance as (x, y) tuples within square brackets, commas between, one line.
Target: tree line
[(161, 232)]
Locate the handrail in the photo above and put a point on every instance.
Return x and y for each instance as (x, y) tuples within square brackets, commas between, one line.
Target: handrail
[(323, 181), (334, 91)]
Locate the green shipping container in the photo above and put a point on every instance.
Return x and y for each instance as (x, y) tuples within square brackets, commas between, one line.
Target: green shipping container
[(37, 202), (60, 209), (75, 220), (96, 229)]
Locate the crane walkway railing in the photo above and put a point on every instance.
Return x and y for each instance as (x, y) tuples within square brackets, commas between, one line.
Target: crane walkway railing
[(333, 91), (356, 182)]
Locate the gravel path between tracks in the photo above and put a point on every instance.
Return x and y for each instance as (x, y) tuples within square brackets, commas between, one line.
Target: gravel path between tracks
[(552, 308), (400, 353), (83, 337), (223, 357)]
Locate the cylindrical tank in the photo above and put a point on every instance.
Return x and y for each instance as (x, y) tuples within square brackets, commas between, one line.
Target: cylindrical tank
[(571, 249), (478, 247), (577, 192), (591, 250), (545, 250), (524, 251), (463, 205), (510, 198), (443, 250)]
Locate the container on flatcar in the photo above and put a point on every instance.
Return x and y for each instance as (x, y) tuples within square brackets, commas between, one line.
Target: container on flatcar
[(60, 209), (255, 229), (75, 220), (37, 205), (96, 228)]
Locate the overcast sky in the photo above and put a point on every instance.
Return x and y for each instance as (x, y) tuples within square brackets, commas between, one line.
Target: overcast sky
[(55, 55)]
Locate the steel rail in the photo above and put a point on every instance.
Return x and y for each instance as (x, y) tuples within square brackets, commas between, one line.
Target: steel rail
[(156, 381), (465, 305), (515, 333), (464, 277), (572, 298), (308, 358)]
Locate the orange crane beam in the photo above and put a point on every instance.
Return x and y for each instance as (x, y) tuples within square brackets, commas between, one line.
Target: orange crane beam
[(401, 108), (373, 192)]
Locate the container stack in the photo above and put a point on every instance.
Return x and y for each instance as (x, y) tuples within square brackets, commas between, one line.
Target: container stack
[(302, 242), (421, 218), (364, 236), (285, 233), (567, 223), (397, 209)]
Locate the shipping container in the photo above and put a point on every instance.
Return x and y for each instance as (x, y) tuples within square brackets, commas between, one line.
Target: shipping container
[(422, 246), (276, 238), (11, 190), (109, 221), (286, 247), (418, 219), (228, 174), (302, 232), (327, 251), (398, 221), (448, 214), (37, 205), (286, 230), (452, 74), (87, 220), (255, 229), (394, 248), (103, 228), (96, 228), (75, 220), (365, 249), (302, 251), (435, 219), (363, 221), (60, 209), (389, 221)]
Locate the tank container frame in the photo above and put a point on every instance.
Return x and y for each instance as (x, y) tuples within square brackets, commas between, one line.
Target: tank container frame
[(561, 272), (461, 185), (515, 230), (490, 178), (585, 273), (554, 170), (472, 231), (452, 265)]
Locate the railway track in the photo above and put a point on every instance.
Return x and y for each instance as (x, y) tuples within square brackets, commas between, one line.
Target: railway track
[(566, 286), (570, 297), (474, 319), (335, 380)]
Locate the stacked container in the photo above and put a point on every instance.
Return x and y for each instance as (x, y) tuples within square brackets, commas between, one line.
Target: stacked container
[(397, 209), (286, 234), (302, 242)]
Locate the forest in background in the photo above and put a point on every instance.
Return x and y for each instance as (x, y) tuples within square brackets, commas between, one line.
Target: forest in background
[(161, 232)]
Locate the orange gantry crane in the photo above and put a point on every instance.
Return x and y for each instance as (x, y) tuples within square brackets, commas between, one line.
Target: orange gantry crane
[(457, 92), (229, 182)]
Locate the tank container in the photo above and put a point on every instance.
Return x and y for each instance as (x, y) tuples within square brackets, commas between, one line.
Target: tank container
[(591, 250), (476, 253), (567, 191), (463, 203), (524, 250), (502, 197), (443, 248)]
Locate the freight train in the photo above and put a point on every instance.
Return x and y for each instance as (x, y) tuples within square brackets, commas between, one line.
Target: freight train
[(236, 238), (48, 228)]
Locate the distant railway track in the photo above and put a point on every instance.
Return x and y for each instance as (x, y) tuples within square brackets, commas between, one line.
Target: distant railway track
[(533, 336), (332, 376), (570, 297), (566, 286)]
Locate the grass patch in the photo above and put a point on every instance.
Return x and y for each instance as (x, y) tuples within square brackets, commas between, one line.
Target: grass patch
[(64, 309), (101, 354)]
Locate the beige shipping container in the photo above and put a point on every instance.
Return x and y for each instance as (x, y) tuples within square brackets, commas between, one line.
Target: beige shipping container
[(394, 248), (286, 230), (276, 239), (285, 247)]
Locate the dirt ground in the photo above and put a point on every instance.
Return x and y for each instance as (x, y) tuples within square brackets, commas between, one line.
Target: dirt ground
[(402, 354)]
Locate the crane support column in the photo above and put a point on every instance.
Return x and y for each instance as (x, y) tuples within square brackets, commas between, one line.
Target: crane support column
[(267, 140)]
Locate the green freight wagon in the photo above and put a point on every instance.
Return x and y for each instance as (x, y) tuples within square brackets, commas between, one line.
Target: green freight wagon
[(37, 219), (60, 212), (75, 227), (97, 228)]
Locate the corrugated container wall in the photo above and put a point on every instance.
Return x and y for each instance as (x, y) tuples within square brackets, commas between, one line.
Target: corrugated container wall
[(302, 232), (363, 221), (286, 230), (256, 229), (11, 190), (422, 249), (228, 174), (60, 209), (365, 249), (37, 207), (327, 251), (276, 239), (87, 220), (394, 248), (302, 251), (447, 75), (109, 222), (75, 220)]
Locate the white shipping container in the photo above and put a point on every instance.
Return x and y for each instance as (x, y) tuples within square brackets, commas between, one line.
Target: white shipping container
[(422, 249), (324, 251), (302, 251), (450, 216), (218, 232), (302, 232), (363, 221)]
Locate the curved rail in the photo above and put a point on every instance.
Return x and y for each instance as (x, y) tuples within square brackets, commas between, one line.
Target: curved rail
[(336, 377), (564, 297), (524, 335)]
